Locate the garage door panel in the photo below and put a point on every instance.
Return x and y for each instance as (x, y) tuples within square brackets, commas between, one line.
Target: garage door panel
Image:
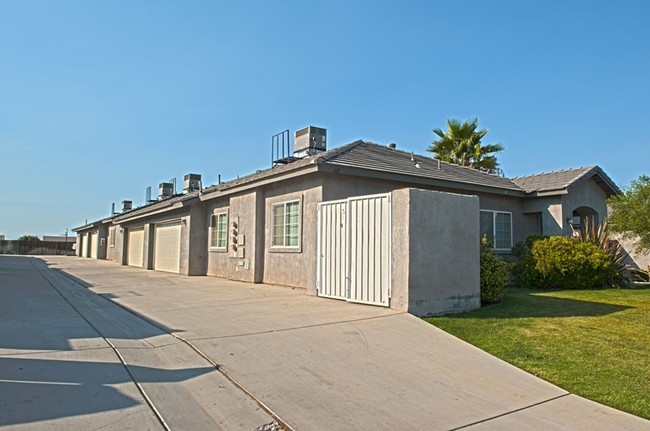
[(135, 254), (86, 249), (167, 247), (94, 242)]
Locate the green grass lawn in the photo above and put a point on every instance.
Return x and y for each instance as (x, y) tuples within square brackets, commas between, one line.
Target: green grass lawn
[(593, 343)]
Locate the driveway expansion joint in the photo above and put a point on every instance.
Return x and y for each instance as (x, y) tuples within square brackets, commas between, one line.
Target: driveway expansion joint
[(511, 412)]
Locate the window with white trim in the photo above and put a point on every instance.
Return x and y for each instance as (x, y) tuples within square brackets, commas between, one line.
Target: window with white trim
[(219, 231), (286, 224), (496, 226), (111, 241)]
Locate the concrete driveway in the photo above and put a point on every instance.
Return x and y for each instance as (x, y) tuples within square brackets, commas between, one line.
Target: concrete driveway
[(87, 344)]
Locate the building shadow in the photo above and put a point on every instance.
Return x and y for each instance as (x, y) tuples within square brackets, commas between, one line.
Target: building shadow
[(532, 304), (45, 315), (34, 390)]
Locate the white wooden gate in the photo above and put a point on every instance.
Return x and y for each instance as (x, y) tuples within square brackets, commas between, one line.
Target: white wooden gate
[(354, 249)]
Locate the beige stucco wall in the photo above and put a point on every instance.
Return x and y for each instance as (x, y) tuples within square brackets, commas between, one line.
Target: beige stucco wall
[(149, 225), (556, 210), (435, 250), (218, 260), (585, 194), (345, 186), (257, 261), (286, 266), (102, 241), (243, 263), (115, 253), (640, 260), (194, 241), (435, 236), (243, 209), (84, 241), (520, 225)]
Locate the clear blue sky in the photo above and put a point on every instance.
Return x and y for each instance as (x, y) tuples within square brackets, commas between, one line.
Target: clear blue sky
[(100, 99)]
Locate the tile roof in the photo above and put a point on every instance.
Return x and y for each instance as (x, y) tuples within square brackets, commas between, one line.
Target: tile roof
[(556, 181), (161, 204), (382, 161), (379, 158)]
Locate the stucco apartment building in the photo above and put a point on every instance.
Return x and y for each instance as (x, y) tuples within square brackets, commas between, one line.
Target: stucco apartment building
[(362, 222)]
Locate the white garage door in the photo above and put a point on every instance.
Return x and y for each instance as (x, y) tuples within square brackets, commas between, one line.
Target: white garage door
[(94, 242), (354, 249), (167, 247), (86, 247), (135, 247)]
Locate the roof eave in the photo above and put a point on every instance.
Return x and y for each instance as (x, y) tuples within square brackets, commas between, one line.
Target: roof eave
[(94, 224), (412, 179), (544, 193), (86, 226), (269, 179), (171, 206), (127, 219)]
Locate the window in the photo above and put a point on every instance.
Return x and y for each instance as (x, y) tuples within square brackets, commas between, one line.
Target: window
[(497, 227), (111, 235), (219, 230), (286, 224)]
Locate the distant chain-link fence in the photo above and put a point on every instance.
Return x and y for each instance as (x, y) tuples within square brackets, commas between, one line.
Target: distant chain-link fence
[(36, 247)]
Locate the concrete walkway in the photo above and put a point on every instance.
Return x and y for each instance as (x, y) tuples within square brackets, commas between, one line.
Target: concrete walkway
[(315, 364)]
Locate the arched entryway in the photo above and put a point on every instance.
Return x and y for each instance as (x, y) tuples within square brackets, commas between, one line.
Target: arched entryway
[(582, 217)]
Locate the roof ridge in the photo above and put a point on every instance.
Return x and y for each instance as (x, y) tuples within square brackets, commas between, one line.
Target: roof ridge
[(558, 171), (328, 155), (408, 153)]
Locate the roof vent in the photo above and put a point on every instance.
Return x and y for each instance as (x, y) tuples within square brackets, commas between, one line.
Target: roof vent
[(127, 206), (310, 140), (191, 182), (165, 190)]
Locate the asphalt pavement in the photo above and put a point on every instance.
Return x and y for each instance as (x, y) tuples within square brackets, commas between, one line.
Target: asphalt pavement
[(87, 344)]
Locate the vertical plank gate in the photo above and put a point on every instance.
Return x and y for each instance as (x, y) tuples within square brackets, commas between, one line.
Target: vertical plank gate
[(354, 249)]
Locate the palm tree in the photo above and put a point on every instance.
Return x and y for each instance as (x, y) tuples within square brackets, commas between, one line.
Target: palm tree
[(461, 144)]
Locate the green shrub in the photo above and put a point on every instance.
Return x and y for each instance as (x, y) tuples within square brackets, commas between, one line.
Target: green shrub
[(524, 272), (494, 277), (624, 273), (567, 263)]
